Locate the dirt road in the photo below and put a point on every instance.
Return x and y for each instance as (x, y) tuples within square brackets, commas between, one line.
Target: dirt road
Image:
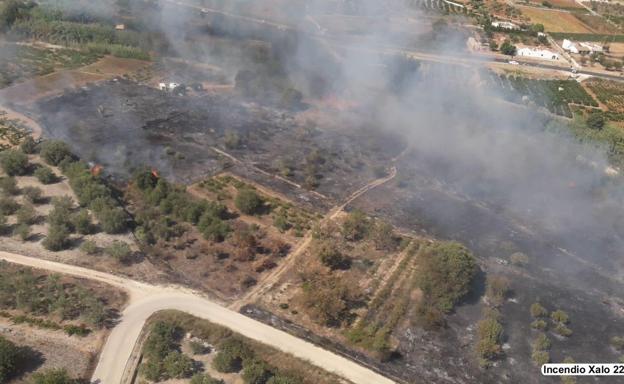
[(146, 299)]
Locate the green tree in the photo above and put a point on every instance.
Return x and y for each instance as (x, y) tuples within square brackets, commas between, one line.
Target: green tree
[(508, 49), (256, 371), (329, 255), (45, 175), (33, 195), (9, 186), (8, 205), (89, 247), (497, 288), (212, 227), (201, 378), (81, 221), (113, 220), (248, 201), (559, 316), (356, 226), (9, 358), (383, 236), (54, 151), (29, 145), (119, 250), (23, 231), (541, 343), (281, 378), (14, 163), (489, 332), (57, 238), (177, 365), (26, 214), (596, 121)]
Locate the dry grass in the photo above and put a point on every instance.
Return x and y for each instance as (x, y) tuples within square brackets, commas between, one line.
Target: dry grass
[(560, 3), (555, 21)]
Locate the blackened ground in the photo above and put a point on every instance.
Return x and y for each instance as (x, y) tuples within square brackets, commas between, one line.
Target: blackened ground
[(122, 125)]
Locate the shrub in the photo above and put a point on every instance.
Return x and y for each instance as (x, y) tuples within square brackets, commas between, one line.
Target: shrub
[(537, 310), (82, 222), (201, 378), (29, 145), (489, 332), (256, 372), (559, 316), (9, 186), (113, 220), (232, 140), (161, 341), (539, 324), (248, 201), (9, 358), (540, 357), (8, 206), (60, 215), (89, 247), (53, 376), (562, 330), (54, 151), (617, 342), (226, 362), (356, 226), (497, 288), (329, 255), (198, 348), (34, 195), (26, 214), (57, 238), (45, 175), (445, 274), (596, 121), (119, 250), (541, 343), (177, 365), (281, 378), (383, 236), (23, 231), (212, 227), (14, 162)]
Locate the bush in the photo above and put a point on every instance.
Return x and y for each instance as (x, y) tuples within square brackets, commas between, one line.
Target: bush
[(177, 365), (212, 227), (9, 186), (8, 206), (9, 358), (14, 162), (541, 343), (596, 121), (248, 201), (497, 288), (281, 378), (113, 220), (445, 274), (82, 222), (537, 310), (489, 332), (26, 214), (562, 330), (45, 175), (57, 238), (29, 145), (356, 226), (329, 255), (256, 372), (23, 231), (559, 316), (201, 378), (89, 247), (232, 352), (520, 259), (119, 250), (617, 342), (198, 348), (53, 376), (539, 324), (54, 151), (60, 215), (540, 357), (161, 341), (383, 236), (34, 195)]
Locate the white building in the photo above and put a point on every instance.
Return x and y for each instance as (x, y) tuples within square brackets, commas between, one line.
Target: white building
[(505, 25), (569, 46), (591, 47), (168, 87), (537, 53)]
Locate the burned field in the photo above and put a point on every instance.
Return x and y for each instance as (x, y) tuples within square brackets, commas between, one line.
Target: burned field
[(121, 124)]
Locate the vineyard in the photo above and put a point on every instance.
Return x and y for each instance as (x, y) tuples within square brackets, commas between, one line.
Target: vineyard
[(438, 6), (554, 95)]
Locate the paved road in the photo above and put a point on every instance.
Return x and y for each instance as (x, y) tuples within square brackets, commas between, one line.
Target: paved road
[(146, 299)]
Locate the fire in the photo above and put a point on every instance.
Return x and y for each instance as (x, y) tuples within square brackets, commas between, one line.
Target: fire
[(155, 173), (96, 170)]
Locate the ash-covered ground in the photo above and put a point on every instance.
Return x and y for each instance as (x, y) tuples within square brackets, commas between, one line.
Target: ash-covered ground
[(121, 125)]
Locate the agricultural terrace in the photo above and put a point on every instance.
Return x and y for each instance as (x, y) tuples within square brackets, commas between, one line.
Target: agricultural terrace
[(359, 280), (610, 93), (12, 131), (20, 62), (56, 321), (555, 20), (560, 4), (191, 350), (221, 234), (554, 95)]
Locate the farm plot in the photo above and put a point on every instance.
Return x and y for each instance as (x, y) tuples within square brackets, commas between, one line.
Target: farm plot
[(610, 93), (554, 95), (554, 20), (561, 4), (21, 62), (12, 131), (438, 6)]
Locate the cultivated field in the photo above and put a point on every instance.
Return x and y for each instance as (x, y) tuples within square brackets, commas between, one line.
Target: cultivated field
[(555, 21), (563, 4)]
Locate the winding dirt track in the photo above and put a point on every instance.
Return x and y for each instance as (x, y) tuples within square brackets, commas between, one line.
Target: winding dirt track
[(146, 299)]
